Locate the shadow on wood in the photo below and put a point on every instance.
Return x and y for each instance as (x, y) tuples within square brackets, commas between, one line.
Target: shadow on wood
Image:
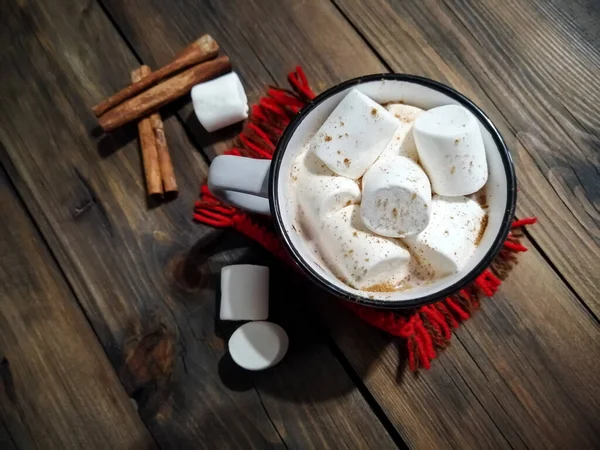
[(110, 143), (205, 141), (295, 304)]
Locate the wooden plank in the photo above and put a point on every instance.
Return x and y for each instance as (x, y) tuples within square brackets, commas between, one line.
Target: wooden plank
[(57, 388), (554, 146), (152, 308), (456, 404)]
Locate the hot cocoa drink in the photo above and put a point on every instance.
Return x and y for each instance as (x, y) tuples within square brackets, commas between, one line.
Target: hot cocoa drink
[(391, 196)]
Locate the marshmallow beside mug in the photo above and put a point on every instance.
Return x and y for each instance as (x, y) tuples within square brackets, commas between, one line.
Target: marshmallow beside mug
[(396, 197), (451, 150), (244, 292), (220, 102)]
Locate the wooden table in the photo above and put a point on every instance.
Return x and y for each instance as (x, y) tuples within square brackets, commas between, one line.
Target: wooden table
[(107, 331)]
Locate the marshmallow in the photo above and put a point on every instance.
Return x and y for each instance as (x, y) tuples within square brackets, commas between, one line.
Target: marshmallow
[(359, 258), (448, 242), (220, 102), (396, 197), (354, 135), (244, 292), (319, 190), (451, 150), (403, 141), (258, 345)]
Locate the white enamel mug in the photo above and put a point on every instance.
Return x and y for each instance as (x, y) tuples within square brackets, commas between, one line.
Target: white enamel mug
[(263, 186)]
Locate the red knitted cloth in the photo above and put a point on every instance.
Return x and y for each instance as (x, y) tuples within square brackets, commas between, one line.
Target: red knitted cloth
[(426, 329)]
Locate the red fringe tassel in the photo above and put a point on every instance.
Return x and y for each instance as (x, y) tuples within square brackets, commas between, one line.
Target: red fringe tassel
[(426, 329)]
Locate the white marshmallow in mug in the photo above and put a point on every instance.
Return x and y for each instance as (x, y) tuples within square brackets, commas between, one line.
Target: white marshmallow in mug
[(403, 141), (319, 190), (396, 197), (359, 258), (354, 135), (451, 150), (448, 242), (220, 102)]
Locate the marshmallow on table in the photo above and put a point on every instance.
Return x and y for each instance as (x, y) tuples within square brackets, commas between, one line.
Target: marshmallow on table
[(320, 191), (403, 141), (396, 197), (354, 135), (451, 150), (448, 242), (258, 345), (220, 102), (244, 292), (359, 258)]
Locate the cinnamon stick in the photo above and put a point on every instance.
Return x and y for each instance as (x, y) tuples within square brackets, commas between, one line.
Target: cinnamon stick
[(202, 49), (164, 158), (148, 145), (163, 93)]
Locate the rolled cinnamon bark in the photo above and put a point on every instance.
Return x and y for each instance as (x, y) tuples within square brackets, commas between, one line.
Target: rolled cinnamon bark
[(163, 93), (200, 50), (164, 158), (148, 145)]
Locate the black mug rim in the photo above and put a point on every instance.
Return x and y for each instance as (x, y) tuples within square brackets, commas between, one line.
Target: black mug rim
[(511, 198)]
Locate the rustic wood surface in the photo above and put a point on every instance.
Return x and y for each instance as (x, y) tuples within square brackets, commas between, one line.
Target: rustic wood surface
[(79, 238), (57, 388)]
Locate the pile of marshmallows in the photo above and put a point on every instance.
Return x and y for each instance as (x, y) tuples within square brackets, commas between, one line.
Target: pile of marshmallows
[(360, 187), (257, 344)]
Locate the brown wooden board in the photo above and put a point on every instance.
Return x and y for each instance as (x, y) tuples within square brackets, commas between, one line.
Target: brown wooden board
[(149, 299), (57, 388), (456, 404), (538, 87)]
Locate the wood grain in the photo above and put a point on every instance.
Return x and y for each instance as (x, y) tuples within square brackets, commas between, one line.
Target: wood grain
[(150, 300), (57, 388), (457, 404), (554, 146)]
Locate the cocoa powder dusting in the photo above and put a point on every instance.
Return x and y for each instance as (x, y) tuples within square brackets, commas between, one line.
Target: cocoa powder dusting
[(380, 287), (482, 227)]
